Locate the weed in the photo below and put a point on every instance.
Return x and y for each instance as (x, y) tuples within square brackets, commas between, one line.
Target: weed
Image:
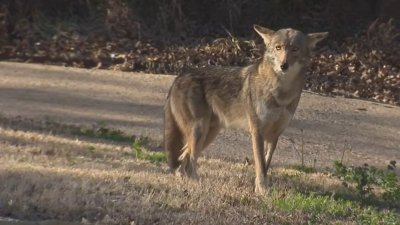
[(367, 177), (302, 167)]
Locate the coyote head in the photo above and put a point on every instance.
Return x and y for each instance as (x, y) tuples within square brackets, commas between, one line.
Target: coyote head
[(288, 49)]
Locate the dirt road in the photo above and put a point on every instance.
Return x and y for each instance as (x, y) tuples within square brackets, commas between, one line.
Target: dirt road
[(132, 102)]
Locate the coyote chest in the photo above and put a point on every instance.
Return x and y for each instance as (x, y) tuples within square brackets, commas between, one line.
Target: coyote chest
[(276, 118), (273, 106)]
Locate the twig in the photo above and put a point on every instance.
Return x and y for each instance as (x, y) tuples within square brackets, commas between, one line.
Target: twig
[(302, 148)]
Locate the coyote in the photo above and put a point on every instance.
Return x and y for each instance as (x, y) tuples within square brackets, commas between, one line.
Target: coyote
[(261, 98)]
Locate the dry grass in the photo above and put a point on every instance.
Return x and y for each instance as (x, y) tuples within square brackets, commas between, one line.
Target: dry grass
[(64, 177)]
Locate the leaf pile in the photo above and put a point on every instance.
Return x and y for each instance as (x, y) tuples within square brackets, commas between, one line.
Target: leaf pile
[(365, 66)]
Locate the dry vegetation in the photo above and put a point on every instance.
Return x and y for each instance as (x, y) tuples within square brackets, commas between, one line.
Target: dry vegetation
[(47, 172)]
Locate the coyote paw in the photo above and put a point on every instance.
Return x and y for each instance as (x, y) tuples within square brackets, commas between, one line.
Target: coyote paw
[(187, 171), (188, 167), (260, 188)]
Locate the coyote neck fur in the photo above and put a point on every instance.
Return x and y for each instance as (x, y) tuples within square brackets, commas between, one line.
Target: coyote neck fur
[(283, 88)]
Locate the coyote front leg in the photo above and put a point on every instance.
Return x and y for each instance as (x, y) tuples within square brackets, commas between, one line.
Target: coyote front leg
[(259, 161)]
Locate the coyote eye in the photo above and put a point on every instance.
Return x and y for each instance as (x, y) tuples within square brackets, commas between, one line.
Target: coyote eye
[(278, 47), (295, 49)]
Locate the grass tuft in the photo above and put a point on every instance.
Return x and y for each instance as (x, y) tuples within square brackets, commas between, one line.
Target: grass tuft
[(304, 168), (143, 154)]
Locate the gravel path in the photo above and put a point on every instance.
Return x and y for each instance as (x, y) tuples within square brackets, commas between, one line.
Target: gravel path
[(132, 102)]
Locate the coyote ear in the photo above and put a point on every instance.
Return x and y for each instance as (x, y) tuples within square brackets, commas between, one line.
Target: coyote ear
[(264, 32), (314, 38)]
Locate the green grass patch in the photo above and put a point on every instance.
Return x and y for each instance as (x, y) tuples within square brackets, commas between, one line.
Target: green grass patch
[(143, 154), (312, 203), (103, 133), (320, 207)]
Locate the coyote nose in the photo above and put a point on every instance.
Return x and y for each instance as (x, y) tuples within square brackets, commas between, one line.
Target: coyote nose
[(284, 66)]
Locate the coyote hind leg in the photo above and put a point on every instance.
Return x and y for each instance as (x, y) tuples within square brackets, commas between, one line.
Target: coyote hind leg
[(193, 148), (270, 146), (173, 138), (213, 130)]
